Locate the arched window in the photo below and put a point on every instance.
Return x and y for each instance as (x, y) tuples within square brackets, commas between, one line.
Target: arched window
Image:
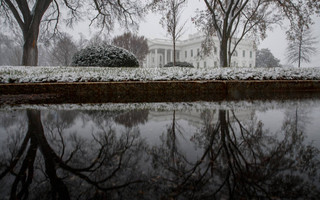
[(235, 53)]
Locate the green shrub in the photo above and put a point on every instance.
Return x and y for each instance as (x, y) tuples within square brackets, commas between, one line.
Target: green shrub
[(104, 56)]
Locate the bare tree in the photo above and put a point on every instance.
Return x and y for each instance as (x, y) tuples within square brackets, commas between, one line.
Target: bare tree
[(137, 45), (233, 20), (171, 11), (62, 50), (98, 40), (4, 43), (10, 51), (301, 46), (30, 16)]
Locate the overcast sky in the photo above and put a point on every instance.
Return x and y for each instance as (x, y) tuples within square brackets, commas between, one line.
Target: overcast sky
[(276, 40)]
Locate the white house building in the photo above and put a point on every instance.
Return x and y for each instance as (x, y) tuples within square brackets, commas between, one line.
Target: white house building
[(161, 53)]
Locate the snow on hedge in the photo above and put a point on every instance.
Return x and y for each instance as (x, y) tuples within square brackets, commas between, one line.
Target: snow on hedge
[(21, 74), (106, 55)]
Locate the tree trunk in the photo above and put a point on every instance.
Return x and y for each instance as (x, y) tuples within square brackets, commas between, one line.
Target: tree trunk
[(30, 50), (29, 22), (30, 46), (59, 189), (174, 52), (229, 59), (224, 53), (300, 44)]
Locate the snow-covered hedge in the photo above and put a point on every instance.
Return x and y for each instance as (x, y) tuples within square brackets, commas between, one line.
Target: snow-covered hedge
[(105, 56), (179, 64), (10, 74)]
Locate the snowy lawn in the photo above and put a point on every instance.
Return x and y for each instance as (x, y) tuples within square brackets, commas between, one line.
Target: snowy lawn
[(20, 74)]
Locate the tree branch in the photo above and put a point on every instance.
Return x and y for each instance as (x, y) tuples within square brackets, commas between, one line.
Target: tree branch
[(15, 14)]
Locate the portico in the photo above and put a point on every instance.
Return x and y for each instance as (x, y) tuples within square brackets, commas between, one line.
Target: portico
[(161, 53), (189, 50)]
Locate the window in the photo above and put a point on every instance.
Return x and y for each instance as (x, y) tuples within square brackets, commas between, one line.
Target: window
[(198, 64), (204, 64), (198, 52), (244, 53), (178, 55), (250, 65), (235, 64), (186, 54), (250, 54), (191, 52), (215, 64), (153, 59), (215, 50), (235, 54)]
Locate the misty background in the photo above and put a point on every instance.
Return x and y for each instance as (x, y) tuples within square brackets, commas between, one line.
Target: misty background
[(151, 28)]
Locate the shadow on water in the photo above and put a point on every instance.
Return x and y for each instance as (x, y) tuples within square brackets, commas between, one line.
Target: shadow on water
[(44, 157)]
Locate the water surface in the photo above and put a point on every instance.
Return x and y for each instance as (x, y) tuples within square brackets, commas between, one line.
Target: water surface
[(200, 150)]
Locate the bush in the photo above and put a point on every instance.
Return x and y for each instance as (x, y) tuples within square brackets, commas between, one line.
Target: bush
[(179, 64), (104, 56)]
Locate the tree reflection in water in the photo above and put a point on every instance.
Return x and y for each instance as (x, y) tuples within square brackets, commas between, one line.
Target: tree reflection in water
[(83, 170), (47, 159), (241, 162)]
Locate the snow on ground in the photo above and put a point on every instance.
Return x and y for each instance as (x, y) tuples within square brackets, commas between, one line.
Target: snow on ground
[(257, 105), (21, 74)]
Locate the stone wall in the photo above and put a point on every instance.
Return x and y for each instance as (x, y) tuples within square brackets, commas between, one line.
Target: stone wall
[(162, 91)]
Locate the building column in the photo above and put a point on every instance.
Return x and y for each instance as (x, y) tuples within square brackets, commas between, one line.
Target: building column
[(148, 60), (156, 58), (165, 56), (172, 52)]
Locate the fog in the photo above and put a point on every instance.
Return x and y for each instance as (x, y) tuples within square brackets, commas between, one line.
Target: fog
[(151, 28)]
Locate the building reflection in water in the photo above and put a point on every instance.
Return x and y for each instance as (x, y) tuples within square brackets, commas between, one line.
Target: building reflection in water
[(199, 154)]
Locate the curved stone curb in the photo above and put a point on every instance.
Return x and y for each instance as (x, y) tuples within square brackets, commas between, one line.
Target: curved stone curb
[(156, 91)]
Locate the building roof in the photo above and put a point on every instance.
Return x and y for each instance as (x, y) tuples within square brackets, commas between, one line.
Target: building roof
[(192, 39)]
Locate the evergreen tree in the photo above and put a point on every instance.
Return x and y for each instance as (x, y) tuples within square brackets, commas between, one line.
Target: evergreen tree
[(266, 59), (301, 46)]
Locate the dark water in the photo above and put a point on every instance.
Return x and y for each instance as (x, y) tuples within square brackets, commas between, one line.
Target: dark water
[(225, 150)]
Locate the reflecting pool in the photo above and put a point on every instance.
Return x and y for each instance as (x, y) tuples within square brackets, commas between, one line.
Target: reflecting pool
[(199, 150)]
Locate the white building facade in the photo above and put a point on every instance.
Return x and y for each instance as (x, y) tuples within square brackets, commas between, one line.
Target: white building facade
[(189, 50)]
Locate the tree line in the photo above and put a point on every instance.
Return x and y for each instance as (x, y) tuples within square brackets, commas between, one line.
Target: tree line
[(230, 20), (59, 50)]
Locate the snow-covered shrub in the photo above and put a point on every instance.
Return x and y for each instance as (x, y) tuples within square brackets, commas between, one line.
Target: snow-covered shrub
[(104, 56), (179, 64)]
